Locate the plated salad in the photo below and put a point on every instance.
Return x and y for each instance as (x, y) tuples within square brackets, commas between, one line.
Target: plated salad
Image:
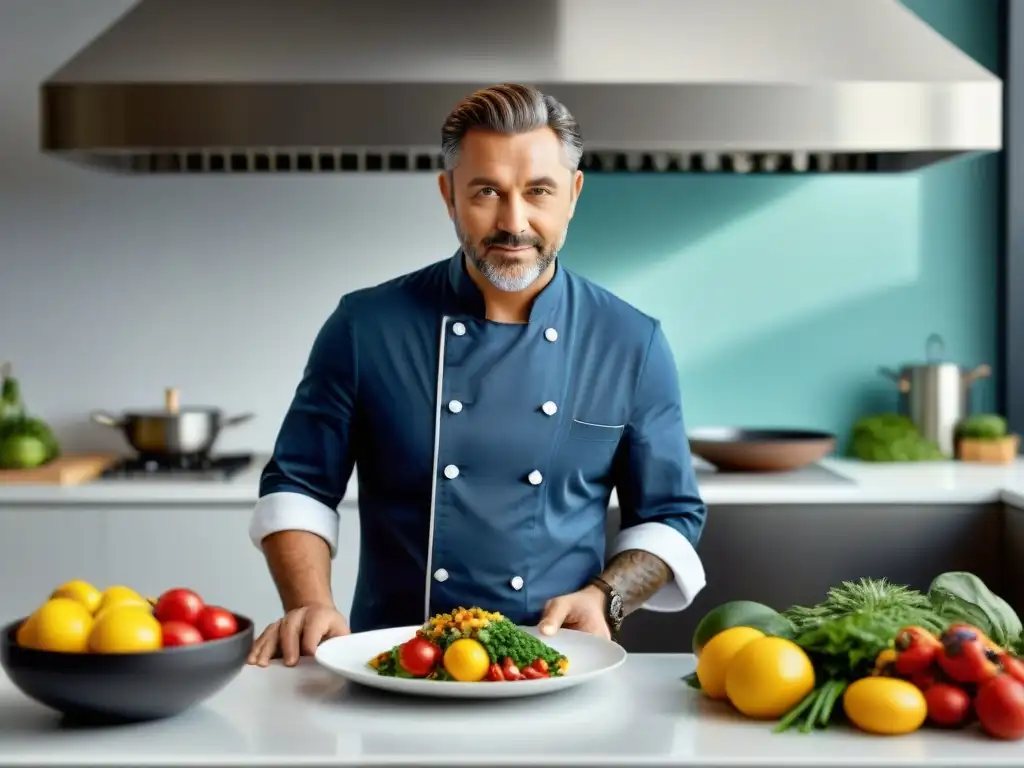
[(470, 645)]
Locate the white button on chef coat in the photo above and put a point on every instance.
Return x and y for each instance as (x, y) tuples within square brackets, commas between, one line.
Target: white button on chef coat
[(459, 329), (517, 583), (455, 406), (451, 471), (535, 477), (441, 575), (551, 334), (549, 408)]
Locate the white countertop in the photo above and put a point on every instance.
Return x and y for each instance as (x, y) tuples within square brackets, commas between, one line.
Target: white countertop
[(642, 714), (834, 481)]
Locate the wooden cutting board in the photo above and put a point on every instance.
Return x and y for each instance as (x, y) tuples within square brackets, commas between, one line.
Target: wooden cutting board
[(72, 469)]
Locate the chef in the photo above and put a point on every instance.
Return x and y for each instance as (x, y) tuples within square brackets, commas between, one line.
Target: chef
[(490, 402)]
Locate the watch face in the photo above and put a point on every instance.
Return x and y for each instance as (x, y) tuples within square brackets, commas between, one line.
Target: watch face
[(615, 607)]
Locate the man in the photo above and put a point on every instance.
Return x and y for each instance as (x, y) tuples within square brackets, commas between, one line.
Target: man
[(491, 403)]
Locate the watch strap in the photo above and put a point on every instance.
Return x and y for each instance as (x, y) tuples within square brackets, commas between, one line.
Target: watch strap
[(614, 619)]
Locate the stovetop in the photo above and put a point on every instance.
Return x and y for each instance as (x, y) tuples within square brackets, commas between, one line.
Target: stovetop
[(191, 468)]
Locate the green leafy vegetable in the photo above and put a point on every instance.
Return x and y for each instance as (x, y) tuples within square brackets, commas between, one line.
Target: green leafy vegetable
[(891, 437), (982, 426), (692, 681), (962, 597)]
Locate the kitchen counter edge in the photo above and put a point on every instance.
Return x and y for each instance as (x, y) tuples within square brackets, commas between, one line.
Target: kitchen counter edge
[(921, 483)]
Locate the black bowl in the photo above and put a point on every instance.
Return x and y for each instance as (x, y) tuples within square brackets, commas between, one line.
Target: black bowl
[(125, 687)]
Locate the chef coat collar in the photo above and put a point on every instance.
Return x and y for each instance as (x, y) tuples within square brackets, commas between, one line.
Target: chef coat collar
[(471, 300)]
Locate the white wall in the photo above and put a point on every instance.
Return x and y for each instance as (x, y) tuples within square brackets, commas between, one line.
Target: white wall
[(112, 288)]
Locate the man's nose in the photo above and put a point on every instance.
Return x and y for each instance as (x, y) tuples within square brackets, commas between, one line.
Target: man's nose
[(512, 217)]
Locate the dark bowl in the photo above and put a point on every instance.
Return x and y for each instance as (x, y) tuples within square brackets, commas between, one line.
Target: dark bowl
[(125, 687), (733, 449)]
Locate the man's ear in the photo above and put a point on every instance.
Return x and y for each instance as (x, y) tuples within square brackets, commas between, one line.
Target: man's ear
[(577, 187), (444, 185)]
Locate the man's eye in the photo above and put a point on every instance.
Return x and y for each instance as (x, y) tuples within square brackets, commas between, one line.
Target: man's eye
[(485, 192), (540, 191)]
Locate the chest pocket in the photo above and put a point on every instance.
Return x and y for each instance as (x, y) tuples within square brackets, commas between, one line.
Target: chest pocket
[(588, 450), (599, 433)]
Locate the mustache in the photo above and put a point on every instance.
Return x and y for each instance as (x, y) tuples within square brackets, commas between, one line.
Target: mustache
[(508, 240)]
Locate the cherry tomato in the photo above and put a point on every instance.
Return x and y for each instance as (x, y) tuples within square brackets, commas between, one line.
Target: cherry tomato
[(494, 674), (948, 705), (215, 623), (1012, 666), (418, 656), (540, 665), (178, 605), (532, 673), (999, 705), (179, 633), (924, 680), (510, 670)]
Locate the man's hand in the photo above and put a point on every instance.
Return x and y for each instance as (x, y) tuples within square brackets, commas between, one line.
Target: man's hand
[(583, 611), (297, 634)]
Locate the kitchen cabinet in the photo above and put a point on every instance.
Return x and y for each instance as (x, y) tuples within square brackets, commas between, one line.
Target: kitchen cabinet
[(789, 554)]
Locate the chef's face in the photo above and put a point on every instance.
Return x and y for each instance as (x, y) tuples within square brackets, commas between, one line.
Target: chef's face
[(511, 198)]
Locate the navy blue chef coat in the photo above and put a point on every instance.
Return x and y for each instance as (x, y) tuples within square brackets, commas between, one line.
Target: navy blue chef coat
[(486, 453)]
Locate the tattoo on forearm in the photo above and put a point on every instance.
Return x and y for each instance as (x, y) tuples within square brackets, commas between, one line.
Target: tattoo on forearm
[(636, 575)]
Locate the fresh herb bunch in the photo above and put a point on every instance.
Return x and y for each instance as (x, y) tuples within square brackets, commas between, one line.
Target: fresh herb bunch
[(877, 597), (844, 634)]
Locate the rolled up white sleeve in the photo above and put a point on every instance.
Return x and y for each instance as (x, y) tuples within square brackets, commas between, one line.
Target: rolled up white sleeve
[(675, 550), (286, 511)]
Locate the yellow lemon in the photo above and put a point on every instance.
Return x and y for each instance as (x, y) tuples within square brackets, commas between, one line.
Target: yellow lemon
[(62, 625), (768, 677), (126, 629), (716, 656), (118, 595), (82, 591), (467, 661), (26, 634), (885, 706)]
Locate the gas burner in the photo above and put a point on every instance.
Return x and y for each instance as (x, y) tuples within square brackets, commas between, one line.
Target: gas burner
[(187, 467)]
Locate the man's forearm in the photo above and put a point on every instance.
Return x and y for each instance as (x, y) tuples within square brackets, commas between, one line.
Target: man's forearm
[(300, 564), (636, 575)]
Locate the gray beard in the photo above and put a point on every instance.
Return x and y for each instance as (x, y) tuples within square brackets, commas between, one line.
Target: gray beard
[(509, 275)]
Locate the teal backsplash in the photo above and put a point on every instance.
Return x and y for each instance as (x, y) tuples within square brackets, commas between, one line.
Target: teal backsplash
[(783, 295)]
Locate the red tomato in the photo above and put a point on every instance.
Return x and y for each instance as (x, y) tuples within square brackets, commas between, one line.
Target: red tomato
[(494, 674), (418, 656), (532, 673), (999, 705), (178, 605), (179, 633), (541, 666), (215, 622), (510, 670), (948, 705)]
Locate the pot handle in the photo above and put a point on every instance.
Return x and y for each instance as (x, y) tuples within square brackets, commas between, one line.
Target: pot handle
[(104, 418), (234, 421), (980, 372), (935, 348), (901, 381)]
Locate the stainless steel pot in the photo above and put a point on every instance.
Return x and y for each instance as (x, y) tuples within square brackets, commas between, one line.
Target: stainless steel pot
[(174, 431), (935, 394)]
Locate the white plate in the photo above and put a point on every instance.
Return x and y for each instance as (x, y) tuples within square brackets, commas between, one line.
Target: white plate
[(589, 658)]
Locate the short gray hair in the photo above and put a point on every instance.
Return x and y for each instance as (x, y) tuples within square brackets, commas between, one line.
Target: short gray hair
[(508, 109)]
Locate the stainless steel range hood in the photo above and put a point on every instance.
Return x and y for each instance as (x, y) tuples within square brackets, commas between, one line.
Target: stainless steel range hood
[(679, 85)]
